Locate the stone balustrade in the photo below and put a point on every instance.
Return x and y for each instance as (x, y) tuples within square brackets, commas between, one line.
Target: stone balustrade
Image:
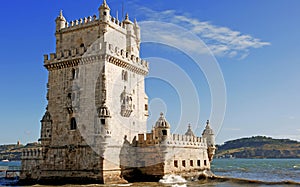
[(32, 153)]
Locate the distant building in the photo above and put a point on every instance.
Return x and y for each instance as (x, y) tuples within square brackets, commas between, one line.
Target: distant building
[(94, 128)]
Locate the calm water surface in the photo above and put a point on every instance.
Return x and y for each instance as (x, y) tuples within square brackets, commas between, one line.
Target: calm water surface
[(268, 170)]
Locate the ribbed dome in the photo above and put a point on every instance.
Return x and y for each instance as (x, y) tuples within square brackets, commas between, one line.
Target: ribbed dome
[(46, 117), (104, 5), (162, 122), (208, 129), (189, 132)]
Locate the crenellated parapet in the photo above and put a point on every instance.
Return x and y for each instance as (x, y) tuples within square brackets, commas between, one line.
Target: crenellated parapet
[(109, 52), (176, 140), (90, 21)]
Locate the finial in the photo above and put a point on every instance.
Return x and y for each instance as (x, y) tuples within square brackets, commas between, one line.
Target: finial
[(135, 22), (117, 15), (61, 13), (104, 2), (161, 114), (207, 122), (189, 126), (127, 16)]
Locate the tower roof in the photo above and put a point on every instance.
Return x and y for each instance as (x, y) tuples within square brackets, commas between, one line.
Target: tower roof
[(61, 16), (162, 122), (208, 129), (189, 131), (104, 5), (46, 117)]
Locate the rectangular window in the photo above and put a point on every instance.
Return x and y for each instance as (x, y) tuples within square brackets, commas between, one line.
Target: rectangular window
[(146, 107), (191, 163), (176, 163), (205, 164), (164, 132), (103, 121), (198, 163), (183, 163)]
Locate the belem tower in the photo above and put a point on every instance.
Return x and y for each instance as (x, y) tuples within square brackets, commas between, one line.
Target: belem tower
[(94, 127)]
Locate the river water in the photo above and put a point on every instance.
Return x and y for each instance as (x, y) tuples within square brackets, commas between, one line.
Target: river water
[(237, 172)]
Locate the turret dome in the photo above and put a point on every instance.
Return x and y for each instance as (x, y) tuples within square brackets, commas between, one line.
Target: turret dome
[(104, 5), (46, 117), (208, 130), (189, 132), (162, 122)]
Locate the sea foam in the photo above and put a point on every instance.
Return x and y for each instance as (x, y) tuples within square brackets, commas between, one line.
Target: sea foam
[(172, 179)]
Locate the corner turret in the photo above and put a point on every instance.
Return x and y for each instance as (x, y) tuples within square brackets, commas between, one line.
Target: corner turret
[(46, 129), (209, 135), (137, 31), (104, 12), (60, 22), (162, 128)]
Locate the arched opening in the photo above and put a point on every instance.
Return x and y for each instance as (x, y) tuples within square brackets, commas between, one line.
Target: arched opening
[(73, 73), (73, 124), (164, 132)]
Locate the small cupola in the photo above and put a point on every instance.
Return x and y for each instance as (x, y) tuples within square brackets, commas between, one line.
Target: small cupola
[(104, 12), (189, 131), (161, 128), (60, 21), (46, 117), (208, 130), (162, 122)]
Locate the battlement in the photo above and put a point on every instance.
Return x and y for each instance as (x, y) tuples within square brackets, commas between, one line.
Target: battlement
[(91, 21), (172, 140), (32, 153), (115, 55)]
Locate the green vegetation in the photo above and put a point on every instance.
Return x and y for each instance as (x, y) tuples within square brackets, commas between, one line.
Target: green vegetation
[(259, 147)]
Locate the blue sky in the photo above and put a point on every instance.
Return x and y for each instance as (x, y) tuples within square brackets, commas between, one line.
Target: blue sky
[(255, 43)]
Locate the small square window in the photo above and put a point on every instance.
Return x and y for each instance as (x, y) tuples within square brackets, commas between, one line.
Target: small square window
[(176, 163), (198, 163)]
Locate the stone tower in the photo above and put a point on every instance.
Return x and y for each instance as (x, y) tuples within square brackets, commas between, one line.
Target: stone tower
[(96, 97)]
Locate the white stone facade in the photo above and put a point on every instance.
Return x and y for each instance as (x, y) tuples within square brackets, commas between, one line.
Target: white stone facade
[(96, 103)]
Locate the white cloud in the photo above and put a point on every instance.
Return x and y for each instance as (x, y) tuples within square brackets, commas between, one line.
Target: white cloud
[(222, 41)]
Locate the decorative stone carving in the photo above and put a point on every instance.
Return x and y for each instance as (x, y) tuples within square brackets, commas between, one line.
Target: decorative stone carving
[(126, 103)]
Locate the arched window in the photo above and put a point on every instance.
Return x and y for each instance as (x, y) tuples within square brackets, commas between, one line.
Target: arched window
[(73, 124), (73, 74), (126, 76)]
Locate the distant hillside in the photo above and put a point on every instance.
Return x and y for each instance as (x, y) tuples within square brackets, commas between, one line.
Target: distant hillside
[(11, 152), (259, 147)]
